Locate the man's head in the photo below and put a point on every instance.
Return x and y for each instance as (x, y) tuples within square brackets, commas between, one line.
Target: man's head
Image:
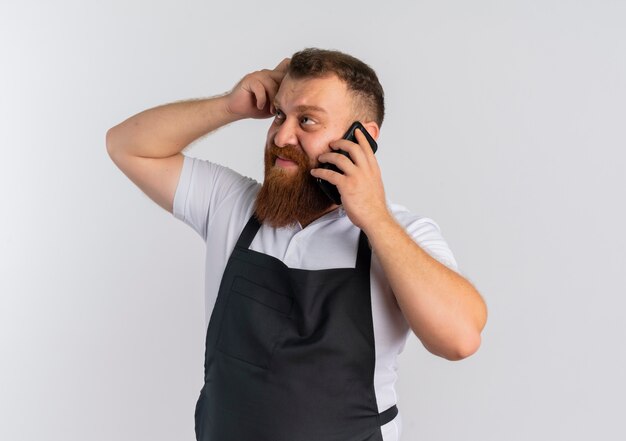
[(361, 80), (322, 93)]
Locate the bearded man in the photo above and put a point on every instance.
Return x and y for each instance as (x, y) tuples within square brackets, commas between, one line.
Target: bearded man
[(308, 302)]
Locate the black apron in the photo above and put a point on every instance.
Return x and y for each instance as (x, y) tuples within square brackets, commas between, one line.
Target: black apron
[(290, 352)]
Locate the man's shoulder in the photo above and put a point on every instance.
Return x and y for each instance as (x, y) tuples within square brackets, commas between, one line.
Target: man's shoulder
[(401, 212), (220, 181), (410, 220), (213, 170), (426, 232), (208, 191)]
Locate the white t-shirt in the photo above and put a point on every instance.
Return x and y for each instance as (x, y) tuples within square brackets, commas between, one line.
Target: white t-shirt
[(217, 203)]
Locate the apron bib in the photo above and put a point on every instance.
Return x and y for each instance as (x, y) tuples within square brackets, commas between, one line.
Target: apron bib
[(290, 352)]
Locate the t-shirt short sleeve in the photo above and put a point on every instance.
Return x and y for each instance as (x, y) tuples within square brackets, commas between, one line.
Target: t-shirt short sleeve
[(427, 234), (202, 188)]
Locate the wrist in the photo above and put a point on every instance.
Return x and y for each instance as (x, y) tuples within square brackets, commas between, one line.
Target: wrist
[(382, 220), (224, 109)]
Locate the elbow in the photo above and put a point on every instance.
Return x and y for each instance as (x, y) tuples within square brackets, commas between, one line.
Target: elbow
[(116, 146), (468, 347), (462, 349), (470, 342), (110, 140), (463, 340)]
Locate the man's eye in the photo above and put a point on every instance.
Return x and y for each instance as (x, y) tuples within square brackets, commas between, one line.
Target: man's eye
[(306, 120), (279, 116)]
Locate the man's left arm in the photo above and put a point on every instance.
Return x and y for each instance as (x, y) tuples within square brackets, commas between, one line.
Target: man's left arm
[(442, 308)]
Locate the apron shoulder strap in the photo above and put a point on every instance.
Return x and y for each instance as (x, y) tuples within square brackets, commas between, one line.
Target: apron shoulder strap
[(248, 233), (364, 253)]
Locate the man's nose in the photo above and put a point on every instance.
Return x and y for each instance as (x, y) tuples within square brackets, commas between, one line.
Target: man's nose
[(286, 135)]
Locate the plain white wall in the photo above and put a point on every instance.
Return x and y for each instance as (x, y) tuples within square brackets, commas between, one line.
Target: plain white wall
[(505, 125)]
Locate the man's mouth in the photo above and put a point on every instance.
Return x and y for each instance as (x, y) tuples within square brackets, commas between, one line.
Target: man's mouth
[(284, 162)]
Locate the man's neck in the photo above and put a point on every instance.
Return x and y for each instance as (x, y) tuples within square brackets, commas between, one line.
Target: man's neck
[(311, 219)]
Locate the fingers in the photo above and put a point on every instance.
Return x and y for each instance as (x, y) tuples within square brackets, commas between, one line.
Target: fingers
[(264, 88), (270, 80), (342, 162), (277, 75), (283, 65), (328, 175), (253, 96), (355, 150), (361, 157), (271, 88), (257, 88), (367, 150)]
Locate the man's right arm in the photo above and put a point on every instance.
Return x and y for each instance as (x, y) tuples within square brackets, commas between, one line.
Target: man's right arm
[(147, 147)]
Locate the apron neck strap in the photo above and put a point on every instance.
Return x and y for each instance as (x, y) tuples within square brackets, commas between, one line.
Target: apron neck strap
[(248, 233), (364, 254)]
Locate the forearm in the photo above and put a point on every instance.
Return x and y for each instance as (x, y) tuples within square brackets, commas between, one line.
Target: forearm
[(442, 308), (167, 129)]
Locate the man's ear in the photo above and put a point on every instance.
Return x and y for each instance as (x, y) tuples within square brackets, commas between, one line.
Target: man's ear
[(372, 128)]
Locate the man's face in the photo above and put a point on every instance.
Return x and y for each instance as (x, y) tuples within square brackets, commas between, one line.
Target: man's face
[(310, 113)]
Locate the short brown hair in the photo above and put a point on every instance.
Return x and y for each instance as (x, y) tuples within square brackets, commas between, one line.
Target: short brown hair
[(358, 76)]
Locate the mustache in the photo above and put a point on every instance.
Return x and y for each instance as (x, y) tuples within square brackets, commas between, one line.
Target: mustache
[(290, 152)]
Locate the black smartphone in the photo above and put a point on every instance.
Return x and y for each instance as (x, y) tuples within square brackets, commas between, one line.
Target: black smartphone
[(329, 189)]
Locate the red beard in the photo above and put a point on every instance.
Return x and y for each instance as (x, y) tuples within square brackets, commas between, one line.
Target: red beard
[(289, 196)]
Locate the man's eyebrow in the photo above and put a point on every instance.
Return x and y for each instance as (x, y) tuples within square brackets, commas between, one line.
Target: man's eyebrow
[(304, 108)]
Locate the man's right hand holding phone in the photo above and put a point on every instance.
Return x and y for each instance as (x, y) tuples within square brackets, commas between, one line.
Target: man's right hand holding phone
[(359, 181), (329, 189)]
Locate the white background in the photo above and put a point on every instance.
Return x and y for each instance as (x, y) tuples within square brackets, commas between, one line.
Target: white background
[(505, 124)]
